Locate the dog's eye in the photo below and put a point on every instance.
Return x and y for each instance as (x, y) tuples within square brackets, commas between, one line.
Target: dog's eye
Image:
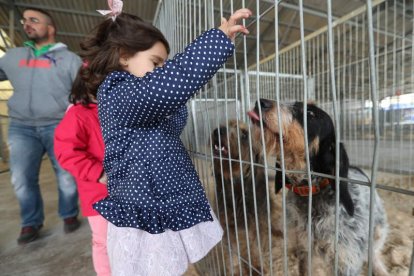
[(311, 114)]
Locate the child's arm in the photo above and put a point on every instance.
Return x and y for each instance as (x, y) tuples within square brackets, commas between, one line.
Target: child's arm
[(71, 144), (142, 101)]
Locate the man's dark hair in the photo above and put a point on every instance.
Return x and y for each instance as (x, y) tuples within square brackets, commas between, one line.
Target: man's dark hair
[(47, 14)]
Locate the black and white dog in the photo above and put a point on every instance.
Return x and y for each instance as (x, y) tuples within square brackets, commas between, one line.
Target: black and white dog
[(354, 198)]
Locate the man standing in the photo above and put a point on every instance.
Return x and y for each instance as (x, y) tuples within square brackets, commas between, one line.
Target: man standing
[(41, 74)]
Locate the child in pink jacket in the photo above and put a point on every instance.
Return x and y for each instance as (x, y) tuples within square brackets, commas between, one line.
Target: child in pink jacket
[(79, 148)]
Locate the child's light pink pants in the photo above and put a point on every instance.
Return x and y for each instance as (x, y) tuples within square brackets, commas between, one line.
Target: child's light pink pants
[(99, 227)]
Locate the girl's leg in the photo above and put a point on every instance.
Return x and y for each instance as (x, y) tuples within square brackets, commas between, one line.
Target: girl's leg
[(100, 259)]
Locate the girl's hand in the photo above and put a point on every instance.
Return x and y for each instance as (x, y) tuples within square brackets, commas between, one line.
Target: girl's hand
[(103, 179), (230, 27)]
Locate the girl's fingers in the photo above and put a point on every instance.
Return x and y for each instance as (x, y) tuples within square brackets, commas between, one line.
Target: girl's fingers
[(238, 29), (239, 14), (232, 31), (230, 27)]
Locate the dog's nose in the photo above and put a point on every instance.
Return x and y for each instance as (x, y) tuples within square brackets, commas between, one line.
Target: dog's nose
[(266, 104)]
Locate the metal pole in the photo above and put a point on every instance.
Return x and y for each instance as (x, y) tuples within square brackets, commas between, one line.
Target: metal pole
[(373, 80)]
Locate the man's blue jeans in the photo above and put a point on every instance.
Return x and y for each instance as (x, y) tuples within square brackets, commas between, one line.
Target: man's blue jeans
[(27, 145)]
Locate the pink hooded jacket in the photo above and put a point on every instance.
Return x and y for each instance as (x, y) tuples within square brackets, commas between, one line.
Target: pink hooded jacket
[(79, 149)]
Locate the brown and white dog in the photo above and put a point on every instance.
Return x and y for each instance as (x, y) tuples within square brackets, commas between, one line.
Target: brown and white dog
[(354, 198), (241, 196)]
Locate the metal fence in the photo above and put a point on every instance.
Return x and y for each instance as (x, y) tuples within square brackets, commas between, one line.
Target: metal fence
[(359, 68)]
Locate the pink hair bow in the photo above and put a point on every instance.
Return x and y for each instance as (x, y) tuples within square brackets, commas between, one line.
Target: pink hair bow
[(115, 9)]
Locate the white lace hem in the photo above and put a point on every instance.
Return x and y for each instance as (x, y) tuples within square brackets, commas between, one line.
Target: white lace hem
[(133, 251)]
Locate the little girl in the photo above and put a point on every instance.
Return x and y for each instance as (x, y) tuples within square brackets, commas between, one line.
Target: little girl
[(160, 217), (79, 149)]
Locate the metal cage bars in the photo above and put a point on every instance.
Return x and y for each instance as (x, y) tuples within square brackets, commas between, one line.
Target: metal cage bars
[(348, 67)]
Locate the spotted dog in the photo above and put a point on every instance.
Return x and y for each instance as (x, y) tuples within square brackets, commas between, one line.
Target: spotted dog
[(354, 198), (241, 192)]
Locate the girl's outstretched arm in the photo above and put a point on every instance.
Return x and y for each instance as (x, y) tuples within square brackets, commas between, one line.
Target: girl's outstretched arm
[(143, 101)]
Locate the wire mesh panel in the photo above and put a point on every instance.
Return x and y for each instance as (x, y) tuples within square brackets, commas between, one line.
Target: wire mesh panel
[(352, 60), (393, 53)]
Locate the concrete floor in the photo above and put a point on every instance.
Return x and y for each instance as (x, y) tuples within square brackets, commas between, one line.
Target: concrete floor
[(54, 253)]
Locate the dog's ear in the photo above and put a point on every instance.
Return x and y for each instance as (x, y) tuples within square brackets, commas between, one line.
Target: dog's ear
[(344, 195), (278, 180)]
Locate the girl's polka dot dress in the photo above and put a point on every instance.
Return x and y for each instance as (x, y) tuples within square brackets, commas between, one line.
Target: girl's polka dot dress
[(153, 185)]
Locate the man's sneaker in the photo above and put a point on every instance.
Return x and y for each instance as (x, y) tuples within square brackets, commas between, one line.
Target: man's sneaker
[(28, 234), (70, 224)]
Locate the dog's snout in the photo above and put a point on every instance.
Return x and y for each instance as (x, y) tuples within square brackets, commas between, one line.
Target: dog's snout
[(266, 104)]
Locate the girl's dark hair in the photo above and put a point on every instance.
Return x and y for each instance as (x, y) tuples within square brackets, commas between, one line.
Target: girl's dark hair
[(79, 93), (124, 37)]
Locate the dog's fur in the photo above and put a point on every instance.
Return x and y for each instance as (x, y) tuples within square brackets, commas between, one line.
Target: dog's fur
[(354, 198), (240, 184)]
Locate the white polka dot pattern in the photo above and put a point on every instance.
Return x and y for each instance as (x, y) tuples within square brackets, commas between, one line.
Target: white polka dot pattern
[(152, 182)]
